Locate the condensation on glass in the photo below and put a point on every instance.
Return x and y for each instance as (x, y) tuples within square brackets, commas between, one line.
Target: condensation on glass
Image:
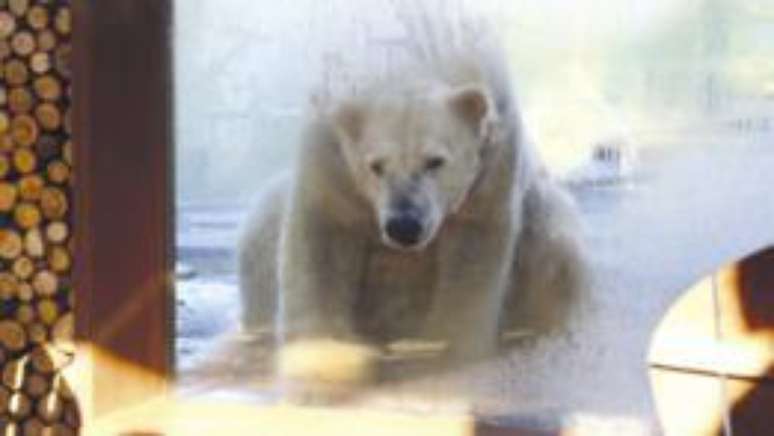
[(656, 117)]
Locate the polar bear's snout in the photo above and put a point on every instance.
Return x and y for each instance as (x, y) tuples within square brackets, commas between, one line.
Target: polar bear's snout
[(404, 229), (407, 224)]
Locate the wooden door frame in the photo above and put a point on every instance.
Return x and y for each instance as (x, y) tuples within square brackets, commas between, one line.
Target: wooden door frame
[(122, 130)]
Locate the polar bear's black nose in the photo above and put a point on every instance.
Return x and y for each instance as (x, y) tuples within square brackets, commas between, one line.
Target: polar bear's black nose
[(404, 229)]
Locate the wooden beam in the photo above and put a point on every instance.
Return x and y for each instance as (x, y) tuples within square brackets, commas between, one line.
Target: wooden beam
[(122, 138)]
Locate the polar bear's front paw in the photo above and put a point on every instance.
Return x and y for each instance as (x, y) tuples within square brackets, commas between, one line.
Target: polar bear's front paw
[(326, 362)]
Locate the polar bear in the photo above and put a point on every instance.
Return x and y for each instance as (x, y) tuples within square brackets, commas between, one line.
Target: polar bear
[(417, 209)]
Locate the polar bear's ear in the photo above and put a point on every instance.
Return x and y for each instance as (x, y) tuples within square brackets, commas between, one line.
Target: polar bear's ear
[(349, 121), (473, 104)]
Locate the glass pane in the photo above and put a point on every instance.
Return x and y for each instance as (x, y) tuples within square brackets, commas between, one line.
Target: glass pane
[(655, 118)]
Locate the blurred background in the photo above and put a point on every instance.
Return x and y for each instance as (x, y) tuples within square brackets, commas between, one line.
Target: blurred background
[(647, 73)]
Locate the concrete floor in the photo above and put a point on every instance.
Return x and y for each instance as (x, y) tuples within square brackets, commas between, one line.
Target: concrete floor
[(692, 211)]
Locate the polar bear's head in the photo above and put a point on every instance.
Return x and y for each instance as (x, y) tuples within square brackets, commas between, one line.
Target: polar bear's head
[(415, 157)]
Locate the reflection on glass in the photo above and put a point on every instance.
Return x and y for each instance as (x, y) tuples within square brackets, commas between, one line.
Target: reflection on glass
[(656, 118)]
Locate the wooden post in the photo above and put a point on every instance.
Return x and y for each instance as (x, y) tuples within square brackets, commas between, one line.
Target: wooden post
[(122, 139)]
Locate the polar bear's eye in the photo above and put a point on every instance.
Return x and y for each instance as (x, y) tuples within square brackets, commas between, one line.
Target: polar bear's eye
[(434, 163), (377, 167)]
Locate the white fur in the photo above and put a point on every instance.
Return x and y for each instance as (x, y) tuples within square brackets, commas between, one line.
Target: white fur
[(501, 252)]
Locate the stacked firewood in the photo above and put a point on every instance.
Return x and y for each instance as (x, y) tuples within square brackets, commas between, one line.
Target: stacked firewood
[(36, 298), (34, 396)]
